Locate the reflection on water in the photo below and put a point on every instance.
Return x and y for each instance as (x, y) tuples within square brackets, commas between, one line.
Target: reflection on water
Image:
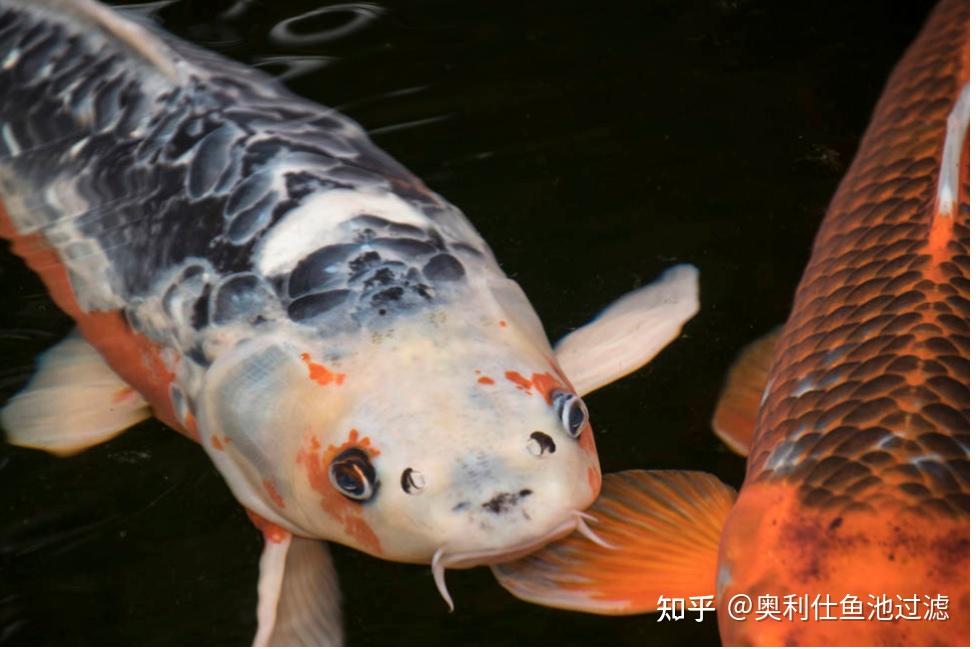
[(287, 67), (592, 148), (325, 24)]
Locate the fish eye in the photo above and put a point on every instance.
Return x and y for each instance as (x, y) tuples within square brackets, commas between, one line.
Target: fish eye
[(571, 412), (352, 475), (412, 481)]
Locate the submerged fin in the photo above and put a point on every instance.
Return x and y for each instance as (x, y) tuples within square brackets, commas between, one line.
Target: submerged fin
[(735, 415), (74, 402), (298, 593), (631, 331), (664, 527)]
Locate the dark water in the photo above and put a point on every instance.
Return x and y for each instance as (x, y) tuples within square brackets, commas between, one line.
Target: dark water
[(593, 145)]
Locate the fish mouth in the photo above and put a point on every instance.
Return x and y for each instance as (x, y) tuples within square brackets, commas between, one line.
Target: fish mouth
[(444, 559)]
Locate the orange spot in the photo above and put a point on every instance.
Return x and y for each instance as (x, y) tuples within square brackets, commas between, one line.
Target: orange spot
[(272, 533), (502, 324), (320, 373), (520, 381), (273, 494), (543, 383), (215, 442), (486, 380), (122, 394), (334, 503), (131, 355)]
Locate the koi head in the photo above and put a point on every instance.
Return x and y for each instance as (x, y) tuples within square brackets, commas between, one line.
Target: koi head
[(451, 439)]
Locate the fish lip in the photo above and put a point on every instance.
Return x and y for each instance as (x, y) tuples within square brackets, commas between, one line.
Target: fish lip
[(472, 558)]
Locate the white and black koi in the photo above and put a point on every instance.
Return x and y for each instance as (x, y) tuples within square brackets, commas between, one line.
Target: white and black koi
[(247, 266)]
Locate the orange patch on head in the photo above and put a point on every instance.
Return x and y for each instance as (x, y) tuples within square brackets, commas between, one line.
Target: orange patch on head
[(520, 381), (273, 493), (486, 380), (543, 383), (502, 324), (272, 533), (347, 512), (320, 373), (216, 443)]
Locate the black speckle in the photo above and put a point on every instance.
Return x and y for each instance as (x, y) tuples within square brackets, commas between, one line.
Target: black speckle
[(837, 522), (392, 294), (502, 502), (364, 262)]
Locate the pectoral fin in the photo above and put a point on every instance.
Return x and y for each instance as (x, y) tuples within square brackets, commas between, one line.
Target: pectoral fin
[(74, 401), (298, 594), (735, 415), (664, 527), (631, 331)]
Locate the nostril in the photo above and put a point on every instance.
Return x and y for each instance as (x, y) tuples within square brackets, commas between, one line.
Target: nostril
[(540, 444)]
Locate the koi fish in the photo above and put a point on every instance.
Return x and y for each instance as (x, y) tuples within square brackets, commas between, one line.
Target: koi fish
[(855, 418), (248, 267)]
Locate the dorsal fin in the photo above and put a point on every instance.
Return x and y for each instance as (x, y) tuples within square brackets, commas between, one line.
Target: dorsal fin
[(135, 37)]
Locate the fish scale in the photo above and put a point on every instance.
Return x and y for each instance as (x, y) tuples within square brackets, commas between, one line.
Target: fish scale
[(227, 139), (855, 418), (870, 382)]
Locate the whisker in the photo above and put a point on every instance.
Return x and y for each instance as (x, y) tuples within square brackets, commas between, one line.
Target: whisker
[(438, 568), (585, 530), (589, 517)]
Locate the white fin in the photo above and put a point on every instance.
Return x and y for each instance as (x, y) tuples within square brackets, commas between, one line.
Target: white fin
[(298, 595), (74, 402), (631, 331)]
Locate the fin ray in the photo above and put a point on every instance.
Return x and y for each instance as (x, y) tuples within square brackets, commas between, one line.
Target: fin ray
[(298, 594), (73, 402), (631, 331), (665, 526)]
